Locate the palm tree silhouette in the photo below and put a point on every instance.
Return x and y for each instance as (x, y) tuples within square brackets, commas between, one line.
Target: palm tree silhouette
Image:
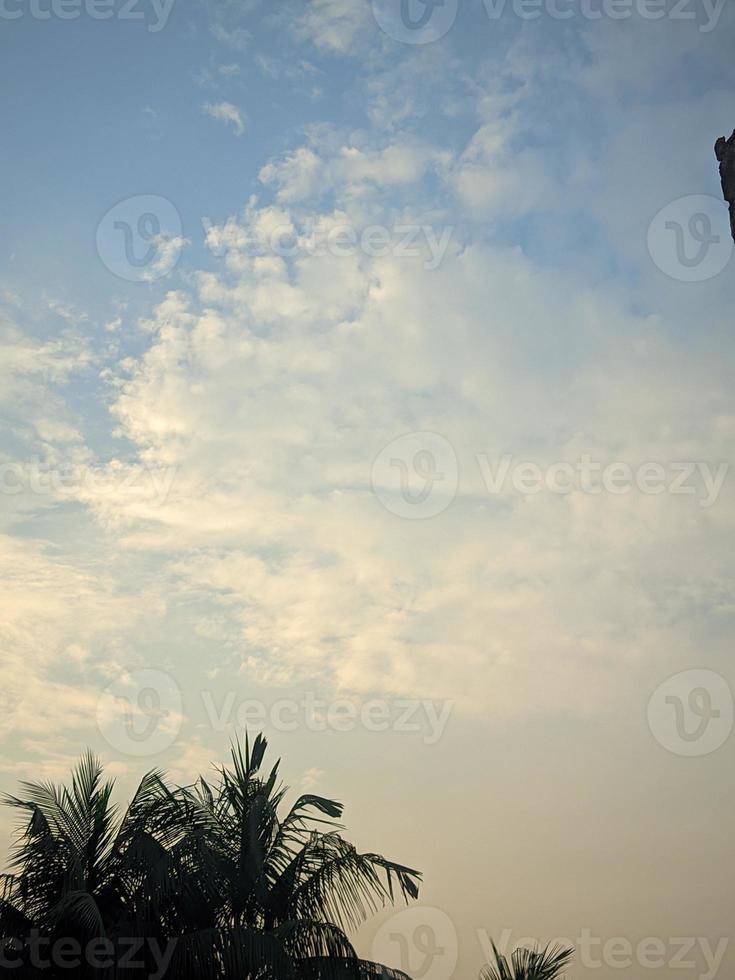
[(529, 964), (211, 874)]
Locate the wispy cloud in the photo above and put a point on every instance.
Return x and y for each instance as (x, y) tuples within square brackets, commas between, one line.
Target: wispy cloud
[(226, 113), (333, 25)]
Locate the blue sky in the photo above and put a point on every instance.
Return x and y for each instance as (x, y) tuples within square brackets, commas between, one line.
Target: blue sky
[(202, 454)]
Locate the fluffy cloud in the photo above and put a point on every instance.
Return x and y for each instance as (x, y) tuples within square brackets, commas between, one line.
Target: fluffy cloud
[(56, 621), (494, 177), (272, 387), (348, 171), (221, 523), (267, 386)]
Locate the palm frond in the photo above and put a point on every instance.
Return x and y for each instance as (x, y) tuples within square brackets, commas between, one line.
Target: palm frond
[(214, 867), (529, 963)]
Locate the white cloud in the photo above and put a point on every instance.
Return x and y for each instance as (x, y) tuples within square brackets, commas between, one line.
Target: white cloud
[(191, 761), (333, 25), (273, 386), (236, 38), (297, 177), (348, 171), (311, 779), (227, 113), (27, 365), (270, 384), (495, 177), (49, 609)]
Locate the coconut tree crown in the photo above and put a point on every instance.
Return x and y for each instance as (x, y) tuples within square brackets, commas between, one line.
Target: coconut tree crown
[(219, 873), (529, 963)]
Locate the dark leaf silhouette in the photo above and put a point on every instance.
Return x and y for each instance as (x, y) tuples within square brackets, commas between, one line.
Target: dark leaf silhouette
[(212, 880), (529, 964)]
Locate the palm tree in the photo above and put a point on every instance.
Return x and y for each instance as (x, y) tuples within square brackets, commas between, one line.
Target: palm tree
[(213, 873), (529, 964), (76, 870), (264, 888)]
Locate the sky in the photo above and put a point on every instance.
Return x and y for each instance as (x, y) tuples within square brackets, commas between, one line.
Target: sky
[(366, 378)]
